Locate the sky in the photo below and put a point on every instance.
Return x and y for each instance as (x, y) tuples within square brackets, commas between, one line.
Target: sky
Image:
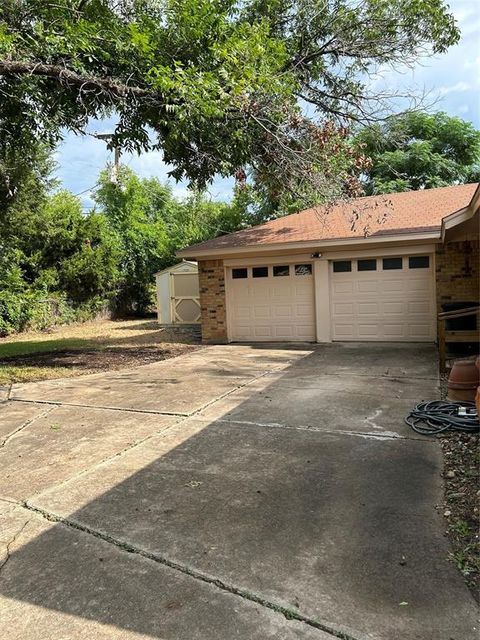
[(451, 81)]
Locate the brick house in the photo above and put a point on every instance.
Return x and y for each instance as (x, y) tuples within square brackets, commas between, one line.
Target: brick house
[(374, 269)]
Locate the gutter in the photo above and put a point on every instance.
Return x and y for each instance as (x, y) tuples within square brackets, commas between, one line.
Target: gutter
[(399, 238)]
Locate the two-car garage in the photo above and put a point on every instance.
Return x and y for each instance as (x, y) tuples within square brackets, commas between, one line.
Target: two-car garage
[(383, 298), (373, 268)]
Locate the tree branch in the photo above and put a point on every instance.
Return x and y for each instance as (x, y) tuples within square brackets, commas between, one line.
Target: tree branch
[(59, 73)]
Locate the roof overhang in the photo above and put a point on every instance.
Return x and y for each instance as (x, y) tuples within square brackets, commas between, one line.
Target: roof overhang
[(394, 239), (462, 215)]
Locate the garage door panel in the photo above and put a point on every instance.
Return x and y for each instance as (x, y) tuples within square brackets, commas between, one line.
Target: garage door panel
[(284, 331), (303, 310), (340, 308), (394, 308), (390, 285), (263, 332), (271, 308), (394, 331), (342, 287), (367, 330), (345, 331), (261, 312), (366, 308), (243, 312), (283, 311), (383, 305), (366, 286)]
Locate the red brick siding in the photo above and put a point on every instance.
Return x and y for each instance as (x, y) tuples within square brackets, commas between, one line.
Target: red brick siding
[(211, 276), (457, 267)]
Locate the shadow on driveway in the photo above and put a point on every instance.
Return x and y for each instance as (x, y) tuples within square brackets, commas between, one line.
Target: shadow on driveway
[(210, 528)]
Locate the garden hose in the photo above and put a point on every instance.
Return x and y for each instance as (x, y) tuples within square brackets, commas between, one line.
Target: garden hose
[(437, 416)]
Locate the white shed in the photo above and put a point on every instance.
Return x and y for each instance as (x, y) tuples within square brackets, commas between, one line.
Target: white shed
[(178, 295)]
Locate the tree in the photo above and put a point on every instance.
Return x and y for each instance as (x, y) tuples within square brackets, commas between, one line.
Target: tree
[(220, 82), (56, 264), (419, 150), (136, 210), (151, 225)]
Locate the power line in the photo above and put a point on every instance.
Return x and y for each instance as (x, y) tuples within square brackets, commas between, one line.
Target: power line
[(86, 190)]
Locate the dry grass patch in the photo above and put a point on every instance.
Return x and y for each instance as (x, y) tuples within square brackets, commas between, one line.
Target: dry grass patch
[(89, 347)]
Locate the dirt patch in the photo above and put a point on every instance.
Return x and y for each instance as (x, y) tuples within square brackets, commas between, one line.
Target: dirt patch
[(90, 360), (462, 503)]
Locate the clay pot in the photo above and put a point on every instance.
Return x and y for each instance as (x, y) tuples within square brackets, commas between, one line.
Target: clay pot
[(463, 381)]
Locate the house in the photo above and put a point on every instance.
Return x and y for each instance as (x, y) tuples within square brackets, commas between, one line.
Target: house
[(376, 268)]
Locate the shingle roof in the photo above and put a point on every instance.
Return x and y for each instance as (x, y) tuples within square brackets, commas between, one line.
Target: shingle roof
[(394, 213)]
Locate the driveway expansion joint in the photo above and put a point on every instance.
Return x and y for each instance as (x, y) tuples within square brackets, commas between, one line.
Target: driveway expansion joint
[(289, 614), (57, 403), (174, 414)]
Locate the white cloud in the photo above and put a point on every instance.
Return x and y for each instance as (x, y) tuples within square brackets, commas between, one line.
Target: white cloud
[(454, 88)]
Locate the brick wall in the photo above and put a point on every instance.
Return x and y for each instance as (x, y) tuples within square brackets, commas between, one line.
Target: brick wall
[(212, 301), (457, 266)]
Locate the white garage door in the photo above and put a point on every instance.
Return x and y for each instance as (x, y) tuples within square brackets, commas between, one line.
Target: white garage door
[(389, 299), (269, 303)]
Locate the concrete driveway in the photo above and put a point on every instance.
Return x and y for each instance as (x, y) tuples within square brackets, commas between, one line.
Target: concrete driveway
[(254, 492)]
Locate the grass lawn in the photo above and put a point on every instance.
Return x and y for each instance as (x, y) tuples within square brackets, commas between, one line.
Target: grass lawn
[(88, 347)]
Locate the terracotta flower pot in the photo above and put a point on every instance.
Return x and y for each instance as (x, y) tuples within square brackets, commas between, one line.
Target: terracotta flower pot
[(463, 380)]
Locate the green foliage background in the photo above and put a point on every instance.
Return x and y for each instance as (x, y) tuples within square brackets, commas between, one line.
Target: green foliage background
[(420, 150), (59, 264)]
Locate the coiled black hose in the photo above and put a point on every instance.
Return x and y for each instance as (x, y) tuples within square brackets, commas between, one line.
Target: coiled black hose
[(436, 416)]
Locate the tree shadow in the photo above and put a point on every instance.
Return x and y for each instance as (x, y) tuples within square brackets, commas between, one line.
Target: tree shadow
[(317, 522)]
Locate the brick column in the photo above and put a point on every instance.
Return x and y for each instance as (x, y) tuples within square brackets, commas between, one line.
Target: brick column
[(457, 267), (212, 301)]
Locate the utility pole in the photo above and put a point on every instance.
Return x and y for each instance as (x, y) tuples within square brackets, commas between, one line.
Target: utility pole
[(116, 155)]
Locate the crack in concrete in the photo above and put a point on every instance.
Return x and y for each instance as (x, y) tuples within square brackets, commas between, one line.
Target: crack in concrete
[(9, 544), (25, 424), (380, 435), (380, 376), (290, 614)]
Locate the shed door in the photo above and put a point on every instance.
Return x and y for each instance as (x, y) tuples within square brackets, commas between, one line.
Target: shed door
[(185, 297), (271, 303), (389, 299)]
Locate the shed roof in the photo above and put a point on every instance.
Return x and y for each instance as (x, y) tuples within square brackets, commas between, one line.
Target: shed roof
[(180, 266)]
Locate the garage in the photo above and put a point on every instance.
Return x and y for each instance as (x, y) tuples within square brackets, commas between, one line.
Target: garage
[(390, 298), (374, 269), (271, 302)]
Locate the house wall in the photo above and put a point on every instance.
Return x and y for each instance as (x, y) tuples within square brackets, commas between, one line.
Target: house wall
[(211, 274), (457, 271)]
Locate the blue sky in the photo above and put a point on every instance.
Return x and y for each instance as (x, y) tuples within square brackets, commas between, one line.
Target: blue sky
[(452, 82)]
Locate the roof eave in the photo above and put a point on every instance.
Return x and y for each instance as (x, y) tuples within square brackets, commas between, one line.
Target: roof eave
[(198, 254), (462, 215)]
